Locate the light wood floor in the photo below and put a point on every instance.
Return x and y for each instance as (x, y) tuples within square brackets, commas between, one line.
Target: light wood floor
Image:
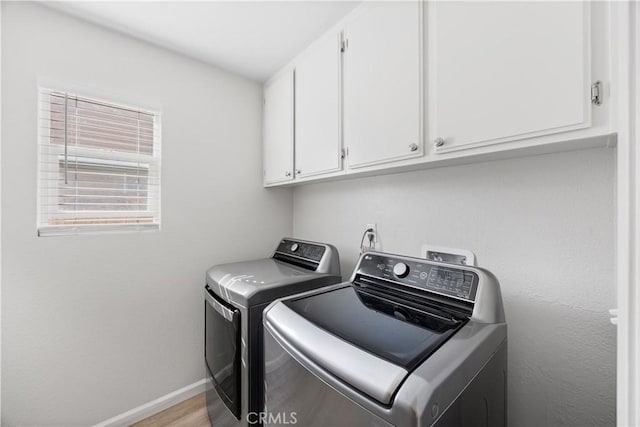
[(190, 413)]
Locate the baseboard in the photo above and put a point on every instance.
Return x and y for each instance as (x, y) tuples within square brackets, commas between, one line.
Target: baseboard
[(160, 404)]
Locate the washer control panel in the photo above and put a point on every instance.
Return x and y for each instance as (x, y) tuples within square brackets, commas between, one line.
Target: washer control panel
[(441, 279), (301, 250)]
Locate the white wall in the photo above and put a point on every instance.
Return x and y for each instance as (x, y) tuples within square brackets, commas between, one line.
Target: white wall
[(93, 326), (0, 219), (544, 225)]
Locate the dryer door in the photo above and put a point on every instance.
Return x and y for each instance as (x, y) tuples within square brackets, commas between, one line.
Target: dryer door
[(222, 349)]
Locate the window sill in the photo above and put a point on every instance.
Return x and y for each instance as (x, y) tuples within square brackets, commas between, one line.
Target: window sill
[(69, 230)]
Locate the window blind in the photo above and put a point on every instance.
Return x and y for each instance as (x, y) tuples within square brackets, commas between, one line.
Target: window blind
[(99, 166)]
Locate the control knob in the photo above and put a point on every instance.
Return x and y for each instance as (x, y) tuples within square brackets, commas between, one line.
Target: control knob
[(401, 270), (294, 247)]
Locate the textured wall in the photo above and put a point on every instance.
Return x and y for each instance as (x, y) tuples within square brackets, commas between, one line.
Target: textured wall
[(544, 225), (93, 326)]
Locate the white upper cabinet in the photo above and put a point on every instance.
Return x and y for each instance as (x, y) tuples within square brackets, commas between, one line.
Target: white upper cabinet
[(407, 84), (278, 129), (317, 109), (503, 71), (382, 83)]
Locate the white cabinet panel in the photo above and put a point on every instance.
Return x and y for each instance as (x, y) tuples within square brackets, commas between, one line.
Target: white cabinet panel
[(278, 129), (317, 109), (382, 83), (500, 71)]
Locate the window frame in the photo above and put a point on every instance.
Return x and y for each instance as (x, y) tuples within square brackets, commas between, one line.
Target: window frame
[(44, 143)]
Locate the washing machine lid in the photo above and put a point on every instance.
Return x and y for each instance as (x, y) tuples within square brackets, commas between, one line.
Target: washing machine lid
[(254, 282), (400, 334)]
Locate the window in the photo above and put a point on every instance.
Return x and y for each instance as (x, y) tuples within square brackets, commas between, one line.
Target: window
[(99, 166)]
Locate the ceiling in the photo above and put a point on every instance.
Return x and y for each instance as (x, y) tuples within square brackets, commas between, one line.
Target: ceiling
[(251, 38)]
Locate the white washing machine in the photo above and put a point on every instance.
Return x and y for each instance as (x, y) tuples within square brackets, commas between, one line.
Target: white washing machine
[(406, 342)]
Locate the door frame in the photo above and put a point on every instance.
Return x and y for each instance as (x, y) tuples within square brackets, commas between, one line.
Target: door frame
[(626, 63)]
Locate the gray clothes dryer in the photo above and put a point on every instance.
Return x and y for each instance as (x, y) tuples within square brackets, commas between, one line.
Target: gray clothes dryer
[(235, 297), (406, 342)]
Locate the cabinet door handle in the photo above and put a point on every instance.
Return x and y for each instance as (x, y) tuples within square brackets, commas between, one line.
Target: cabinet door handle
[(298, 171), (438, 142), (287, 173), (413, 147)]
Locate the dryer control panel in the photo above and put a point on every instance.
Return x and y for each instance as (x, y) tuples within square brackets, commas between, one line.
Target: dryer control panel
[(299, 249), (439, 278)]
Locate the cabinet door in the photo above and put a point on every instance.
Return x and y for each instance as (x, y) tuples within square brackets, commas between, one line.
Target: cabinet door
[(278, 129), (502, 71), (382, 83), (317, 106)]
